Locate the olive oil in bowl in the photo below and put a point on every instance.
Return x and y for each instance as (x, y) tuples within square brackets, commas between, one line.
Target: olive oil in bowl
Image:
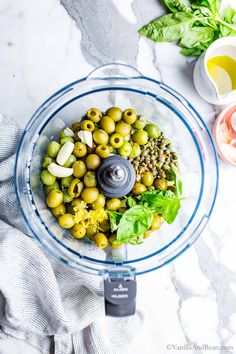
[(222, 70)]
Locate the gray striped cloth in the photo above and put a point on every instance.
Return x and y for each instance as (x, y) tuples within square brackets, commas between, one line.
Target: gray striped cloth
[(55, 308)]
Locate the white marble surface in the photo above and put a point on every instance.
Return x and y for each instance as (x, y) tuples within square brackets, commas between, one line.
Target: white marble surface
[(46, 44)]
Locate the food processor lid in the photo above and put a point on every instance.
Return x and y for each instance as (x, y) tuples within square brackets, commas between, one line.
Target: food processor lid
[(108, 80)]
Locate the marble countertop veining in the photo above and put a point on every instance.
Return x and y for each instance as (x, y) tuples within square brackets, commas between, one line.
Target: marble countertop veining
[(48, 43)]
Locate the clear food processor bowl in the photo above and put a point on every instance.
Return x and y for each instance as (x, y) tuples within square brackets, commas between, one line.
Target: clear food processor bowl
[(123, 86)]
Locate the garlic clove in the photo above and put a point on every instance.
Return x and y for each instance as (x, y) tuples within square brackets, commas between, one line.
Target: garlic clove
[(68, 132), (59, 171), (65, 153), (86, 137)]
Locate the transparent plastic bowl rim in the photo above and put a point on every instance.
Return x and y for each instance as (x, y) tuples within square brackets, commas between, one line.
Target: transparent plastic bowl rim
[(167, 88)]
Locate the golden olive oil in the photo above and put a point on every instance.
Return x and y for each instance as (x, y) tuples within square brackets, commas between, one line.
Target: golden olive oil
[(222, 70)]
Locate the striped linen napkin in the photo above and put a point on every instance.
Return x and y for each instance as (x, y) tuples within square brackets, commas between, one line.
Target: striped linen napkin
[(54, 307)]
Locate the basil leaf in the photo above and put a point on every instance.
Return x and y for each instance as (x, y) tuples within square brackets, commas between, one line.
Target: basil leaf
[(177, 5), (195, 52), (229, 15), (173, 175), (114, 218), (134, 222), (131, 202), (230, 18), (195, 36), (162, 202), (168, 28)]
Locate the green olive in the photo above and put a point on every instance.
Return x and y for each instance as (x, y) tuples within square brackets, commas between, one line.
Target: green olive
[(147, 234), (91, 231), (47, 178), (116, 140), (140, 137), (78, 230), (113, 204), (107, 124), (99, 202), (66, 221), (75, 126), (87, 125), (92, 161), (139, 188), (48, 189), (76, 136), (129, 116), (101, 240), (67, 139), (75, 188), (54, 198), (136, 151), (156, 222), (59, 210), (161, 184), (53, 149), (152, 130), (80, 149), (91, 149), (115, 113), (47, 160), (127, 137), (140, 123), (104, 226), (113, 242), (100, 137), (90, 179), (147, 179), (78, 204), (79, 168), (70, 161), (123, 128), (125, 149), (90, 194), (94, 115), (65, 181), (103, 151), (66, 197)]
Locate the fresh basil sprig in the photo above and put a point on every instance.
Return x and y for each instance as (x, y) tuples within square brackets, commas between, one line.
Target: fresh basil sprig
[(193, 25)]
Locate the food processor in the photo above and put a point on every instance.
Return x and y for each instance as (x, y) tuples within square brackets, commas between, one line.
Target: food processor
[(123, 86)]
